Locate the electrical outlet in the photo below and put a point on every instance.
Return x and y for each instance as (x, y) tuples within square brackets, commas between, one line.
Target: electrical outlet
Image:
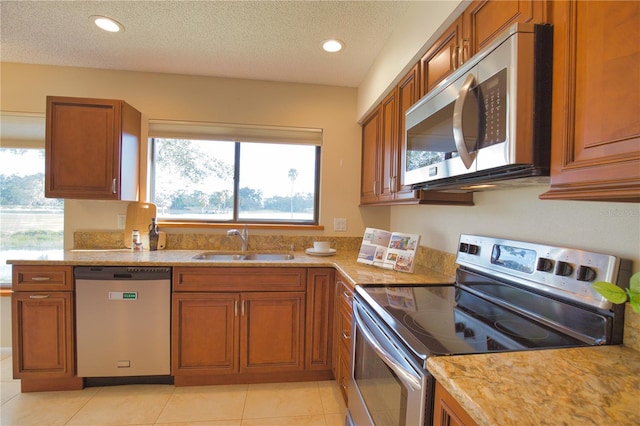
[(339, 224), (122, 221)]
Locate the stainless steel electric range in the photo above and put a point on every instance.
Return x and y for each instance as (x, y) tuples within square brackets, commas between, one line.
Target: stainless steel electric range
[(508, 296)]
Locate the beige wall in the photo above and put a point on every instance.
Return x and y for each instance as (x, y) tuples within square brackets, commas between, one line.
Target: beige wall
[(179, 97)]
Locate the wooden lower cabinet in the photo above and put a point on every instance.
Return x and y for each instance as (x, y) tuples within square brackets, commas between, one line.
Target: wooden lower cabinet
[(272, 332), (447, 411), (205, 333), (43, 329), (319, 322), (247, 336), (342, 351)]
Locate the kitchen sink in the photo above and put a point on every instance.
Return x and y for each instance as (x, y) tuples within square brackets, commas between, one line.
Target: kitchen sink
[(257, 256)]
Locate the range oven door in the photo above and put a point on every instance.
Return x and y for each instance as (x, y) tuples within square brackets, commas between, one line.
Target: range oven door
[(387, 386)]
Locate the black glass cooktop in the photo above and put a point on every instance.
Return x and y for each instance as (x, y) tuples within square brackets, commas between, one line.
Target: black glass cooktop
[(446, 320)]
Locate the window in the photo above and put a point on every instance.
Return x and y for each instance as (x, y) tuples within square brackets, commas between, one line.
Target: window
[(222, 173), (30, 224)]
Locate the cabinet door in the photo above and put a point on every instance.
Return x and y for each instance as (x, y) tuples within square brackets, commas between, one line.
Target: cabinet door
[(43, 343), (486, 19), (91, 149), (205, 333), (388, 152), (272, 328), (442, 58), (370, 160), (342, 341), (319, 324), (447, 411), (408, 94), (596, 101)]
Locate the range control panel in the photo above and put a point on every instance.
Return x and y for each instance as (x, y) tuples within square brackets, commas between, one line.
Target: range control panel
[(565, 272)]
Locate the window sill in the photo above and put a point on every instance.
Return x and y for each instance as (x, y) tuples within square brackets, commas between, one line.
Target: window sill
[(275, 226)]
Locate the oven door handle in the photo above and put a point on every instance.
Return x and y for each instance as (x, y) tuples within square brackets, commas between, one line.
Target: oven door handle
[(404, 375)]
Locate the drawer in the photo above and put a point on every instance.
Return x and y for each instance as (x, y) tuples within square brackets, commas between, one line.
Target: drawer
[(239, 279), (346, 294), (42, 278)]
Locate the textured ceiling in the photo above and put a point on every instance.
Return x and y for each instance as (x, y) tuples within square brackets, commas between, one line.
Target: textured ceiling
[(263, 40)]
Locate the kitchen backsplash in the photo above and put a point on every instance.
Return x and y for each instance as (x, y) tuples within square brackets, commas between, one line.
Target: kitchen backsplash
[(426, 258)]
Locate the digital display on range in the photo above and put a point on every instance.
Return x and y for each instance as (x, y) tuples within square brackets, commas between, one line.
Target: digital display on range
[(515, 258)]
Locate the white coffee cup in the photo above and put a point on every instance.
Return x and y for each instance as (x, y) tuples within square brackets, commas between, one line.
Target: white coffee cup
[(321, 246)]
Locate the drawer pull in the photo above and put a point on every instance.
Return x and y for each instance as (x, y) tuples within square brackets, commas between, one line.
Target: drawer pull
[(40, 278), (39, 296)]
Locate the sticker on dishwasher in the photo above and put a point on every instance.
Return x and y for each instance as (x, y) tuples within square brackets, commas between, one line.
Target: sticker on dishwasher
[(123, 295)]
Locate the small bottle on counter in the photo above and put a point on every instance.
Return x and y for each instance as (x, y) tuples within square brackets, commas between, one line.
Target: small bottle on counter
[(153, 235), (136, 242)]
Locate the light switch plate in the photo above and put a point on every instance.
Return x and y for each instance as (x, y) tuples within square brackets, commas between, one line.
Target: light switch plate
[(122, 221), (339, 224)]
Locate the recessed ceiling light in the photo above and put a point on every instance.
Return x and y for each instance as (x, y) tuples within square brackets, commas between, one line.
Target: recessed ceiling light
[(107, 24), (332, 45)]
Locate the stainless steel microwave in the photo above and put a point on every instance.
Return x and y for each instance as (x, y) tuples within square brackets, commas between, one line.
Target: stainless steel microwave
[(489, 121)]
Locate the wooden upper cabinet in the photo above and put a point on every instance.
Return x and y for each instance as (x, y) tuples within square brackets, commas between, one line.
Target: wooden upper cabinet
[(486, 19), (371, 137), (442, 58), (92, 149), (388, 147), (596, 101), (408, 94)]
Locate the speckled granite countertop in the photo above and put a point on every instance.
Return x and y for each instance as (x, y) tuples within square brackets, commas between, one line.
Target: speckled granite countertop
[(579, 386), (345, 262)]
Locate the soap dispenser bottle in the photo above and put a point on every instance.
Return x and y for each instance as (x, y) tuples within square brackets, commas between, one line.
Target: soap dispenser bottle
[(153, 235)]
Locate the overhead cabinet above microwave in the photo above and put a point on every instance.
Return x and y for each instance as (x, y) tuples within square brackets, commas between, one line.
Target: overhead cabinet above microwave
[(92, 149), (487, 122)]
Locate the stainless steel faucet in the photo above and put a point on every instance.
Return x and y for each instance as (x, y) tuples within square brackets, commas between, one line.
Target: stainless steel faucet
[(244, 236)]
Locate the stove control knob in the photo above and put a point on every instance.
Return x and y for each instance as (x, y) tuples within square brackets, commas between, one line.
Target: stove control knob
[(468, 332), (586, 273), (464, 248), (473, 249), (544, 265), (564, 269), (459, 327)]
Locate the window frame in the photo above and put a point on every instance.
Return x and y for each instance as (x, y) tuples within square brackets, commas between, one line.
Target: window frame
[(238, 134)]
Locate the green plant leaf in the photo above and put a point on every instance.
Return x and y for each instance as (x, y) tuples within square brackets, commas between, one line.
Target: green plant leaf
[(634, 283), (610, 291), (634, 300)]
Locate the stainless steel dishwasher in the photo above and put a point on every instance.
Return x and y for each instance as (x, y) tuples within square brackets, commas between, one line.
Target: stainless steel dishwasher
[(123, 321)]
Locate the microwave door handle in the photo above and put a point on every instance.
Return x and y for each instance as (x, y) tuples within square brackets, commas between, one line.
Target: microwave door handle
[(405, 376), (458, 135)]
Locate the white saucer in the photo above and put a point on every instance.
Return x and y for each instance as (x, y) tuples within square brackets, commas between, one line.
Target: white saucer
[(313, 252)]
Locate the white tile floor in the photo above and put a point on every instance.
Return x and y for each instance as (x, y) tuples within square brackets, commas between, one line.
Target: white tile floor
[(309, 403)]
